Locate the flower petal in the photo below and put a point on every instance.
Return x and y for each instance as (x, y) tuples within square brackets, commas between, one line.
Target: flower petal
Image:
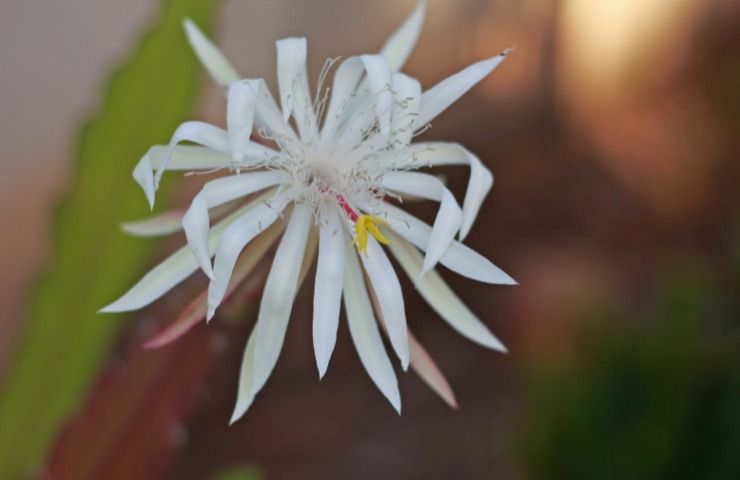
[(245, 395), (425, 367), (163, 224), (196, 221), (295, 96), (385, 284), (406, 101), (458, 257), (267, 116), (379, 81), (197, 132), (196, 310), (233, 240), (449, 217), (240, 115), (399, 46), (328, 288), (279, 293), (210, 56), (346, 80), (266, 340), (246, 392), (181, 158), (432, 154), (435, 100), (441, 298), (365, 332), (176, 268), (170, 222)]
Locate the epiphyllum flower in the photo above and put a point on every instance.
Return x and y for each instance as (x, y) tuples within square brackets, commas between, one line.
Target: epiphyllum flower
[(342, 171)]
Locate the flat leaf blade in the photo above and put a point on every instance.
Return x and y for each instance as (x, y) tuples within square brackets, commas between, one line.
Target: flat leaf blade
[(66, 340)]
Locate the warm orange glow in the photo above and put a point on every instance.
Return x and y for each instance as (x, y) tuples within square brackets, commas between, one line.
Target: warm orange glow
[(602, 43)]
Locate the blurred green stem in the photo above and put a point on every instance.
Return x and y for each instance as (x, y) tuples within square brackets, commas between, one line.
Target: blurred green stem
[(66, 341)]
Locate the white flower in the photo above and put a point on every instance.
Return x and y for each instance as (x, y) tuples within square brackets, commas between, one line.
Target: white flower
[(339, 164)]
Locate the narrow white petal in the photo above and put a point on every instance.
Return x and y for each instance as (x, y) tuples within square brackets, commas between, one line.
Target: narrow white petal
[(197, 132), (328, 289), (458, 257), (195, 311), (449, 216), (246, 391), (240, 115), (268, 117), (365, 332), (144, 175), (435, 100), (181, 158), (446, 225), (345, 84), (234, 239), (379, 81), (245, 394), (295, 97), (441, 298), (214, 193), (399, 46), (267, 114), (177, 267), (278, 295), (210, 56), (357, 124), (159, 225), (425, 367), (433, 154), (188, 157), (406, 101), (387, 289)]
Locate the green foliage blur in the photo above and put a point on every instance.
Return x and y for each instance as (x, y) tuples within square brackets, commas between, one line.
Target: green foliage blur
[(651, 395), (238, 472), (66, 340)]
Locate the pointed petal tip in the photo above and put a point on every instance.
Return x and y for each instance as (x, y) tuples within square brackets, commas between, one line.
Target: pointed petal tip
[(499, 277), (240, 409), (405, 364), (322, 364), (491, 63), (114, 307), (207, 269), (234, 417), (191, 28), (419, 12), (495, 344), (427, 267), (152, 344)]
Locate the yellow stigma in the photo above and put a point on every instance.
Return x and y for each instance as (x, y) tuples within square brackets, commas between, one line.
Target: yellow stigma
[(365, 224)]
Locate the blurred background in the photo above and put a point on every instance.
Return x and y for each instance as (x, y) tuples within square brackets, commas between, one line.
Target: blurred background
[(613, 132)]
